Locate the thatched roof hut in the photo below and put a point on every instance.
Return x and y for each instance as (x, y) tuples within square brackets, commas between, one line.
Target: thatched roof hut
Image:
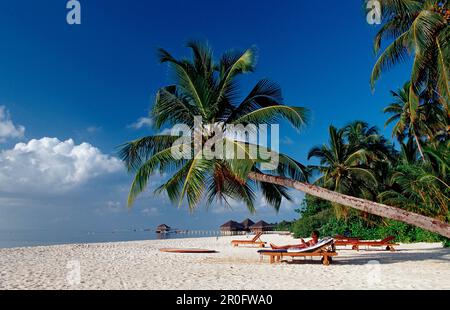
[(261, 226), (163, 228), (231, 226), (247, 224)]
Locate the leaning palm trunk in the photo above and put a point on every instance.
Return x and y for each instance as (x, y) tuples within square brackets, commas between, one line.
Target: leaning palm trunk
[(371, 207)]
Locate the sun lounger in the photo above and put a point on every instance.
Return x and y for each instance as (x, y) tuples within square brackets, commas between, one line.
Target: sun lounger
[(345, 238), (324, 249), (356, 243), (341, 240), (256, 241)]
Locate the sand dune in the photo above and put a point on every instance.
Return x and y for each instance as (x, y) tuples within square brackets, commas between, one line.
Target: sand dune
[(139, 265)]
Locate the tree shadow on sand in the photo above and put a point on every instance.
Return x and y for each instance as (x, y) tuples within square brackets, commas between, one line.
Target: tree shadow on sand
[(383, 257)]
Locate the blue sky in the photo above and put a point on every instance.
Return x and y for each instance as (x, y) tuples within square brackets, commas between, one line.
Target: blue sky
[(82, 86)]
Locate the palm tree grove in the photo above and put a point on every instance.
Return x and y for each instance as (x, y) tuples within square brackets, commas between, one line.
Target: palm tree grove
[(359, 181)]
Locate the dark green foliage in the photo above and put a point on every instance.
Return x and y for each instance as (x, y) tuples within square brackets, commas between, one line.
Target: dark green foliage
[(283, 226), (316, 216), (312, 205), (417, 30), (446, 242), (355, 162)]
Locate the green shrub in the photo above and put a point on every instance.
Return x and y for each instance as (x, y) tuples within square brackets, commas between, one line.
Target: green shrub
[(312, 206), (319, 215), (284, 226), (402, 231), (304, 226), (445, 242), (422, 235)]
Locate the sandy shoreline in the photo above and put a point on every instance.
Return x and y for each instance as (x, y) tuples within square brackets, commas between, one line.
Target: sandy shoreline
[(140, 265)]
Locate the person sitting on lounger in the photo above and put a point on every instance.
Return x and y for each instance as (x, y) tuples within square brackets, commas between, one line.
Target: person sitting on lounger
[(314, 240)]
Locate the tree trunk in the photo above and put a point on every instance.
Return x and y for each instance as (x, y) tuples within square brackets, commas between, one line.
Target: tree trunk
[(419, 147), (371, 207)]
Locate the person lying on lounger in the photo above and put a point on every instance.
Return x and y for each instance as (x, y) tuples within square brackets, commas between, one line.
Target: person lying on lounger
[(314, 240)]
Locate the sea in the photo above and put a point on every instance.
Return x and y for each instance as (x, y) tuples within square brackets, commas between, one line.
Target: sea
[(28, 238)]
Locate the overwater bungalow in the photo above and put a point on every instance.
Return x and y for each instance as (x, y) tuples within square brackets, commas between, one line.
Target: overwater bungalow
[(261, 226), (162, 229), (247, 224), (232, 226)]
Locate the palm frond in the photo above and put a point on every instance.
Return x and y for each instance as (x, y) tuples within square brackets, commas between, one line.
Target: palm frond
[(188, 82), (297, 116), (163, 160), (395, 53), (137, 152), (194, 184), (172, 108), (264, 94), (443, 51)]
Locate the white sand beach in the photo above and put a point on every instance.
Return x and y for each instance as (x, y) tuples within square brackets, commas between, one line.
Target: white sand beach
[(140, 265)]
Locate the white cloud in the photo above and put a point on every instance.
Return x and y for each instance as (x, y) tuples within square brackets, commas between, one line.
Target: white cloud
[(141, 123), (50, 165), (7, 128)]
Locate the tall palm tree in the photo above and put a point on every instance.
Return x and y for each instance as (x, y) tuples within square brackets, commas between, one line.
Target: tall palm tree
[(208, 89), (429, 121), (381, 154), (343, 166), (360, 135), (401, 113), (420, 28)]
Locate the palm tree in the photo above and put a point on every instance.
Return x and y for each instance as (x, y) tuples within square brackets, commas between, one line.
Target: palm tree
[(204, 88), (344, 166), (381, 154), (429, 121), (209, 90), (439, 158), (356, 161), (361, 135), (421, 28), (415, 187), (401, 113)]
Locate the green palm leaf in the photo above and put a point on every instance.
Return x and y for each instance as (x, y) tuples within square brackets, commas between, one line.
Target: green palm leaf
[(171, 108), (297, 116), (395, 53), (162, 159)]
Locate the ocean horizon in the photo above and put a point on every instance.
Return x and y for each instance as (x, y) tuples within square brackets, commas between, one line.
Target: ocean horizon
[(42, 237)]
